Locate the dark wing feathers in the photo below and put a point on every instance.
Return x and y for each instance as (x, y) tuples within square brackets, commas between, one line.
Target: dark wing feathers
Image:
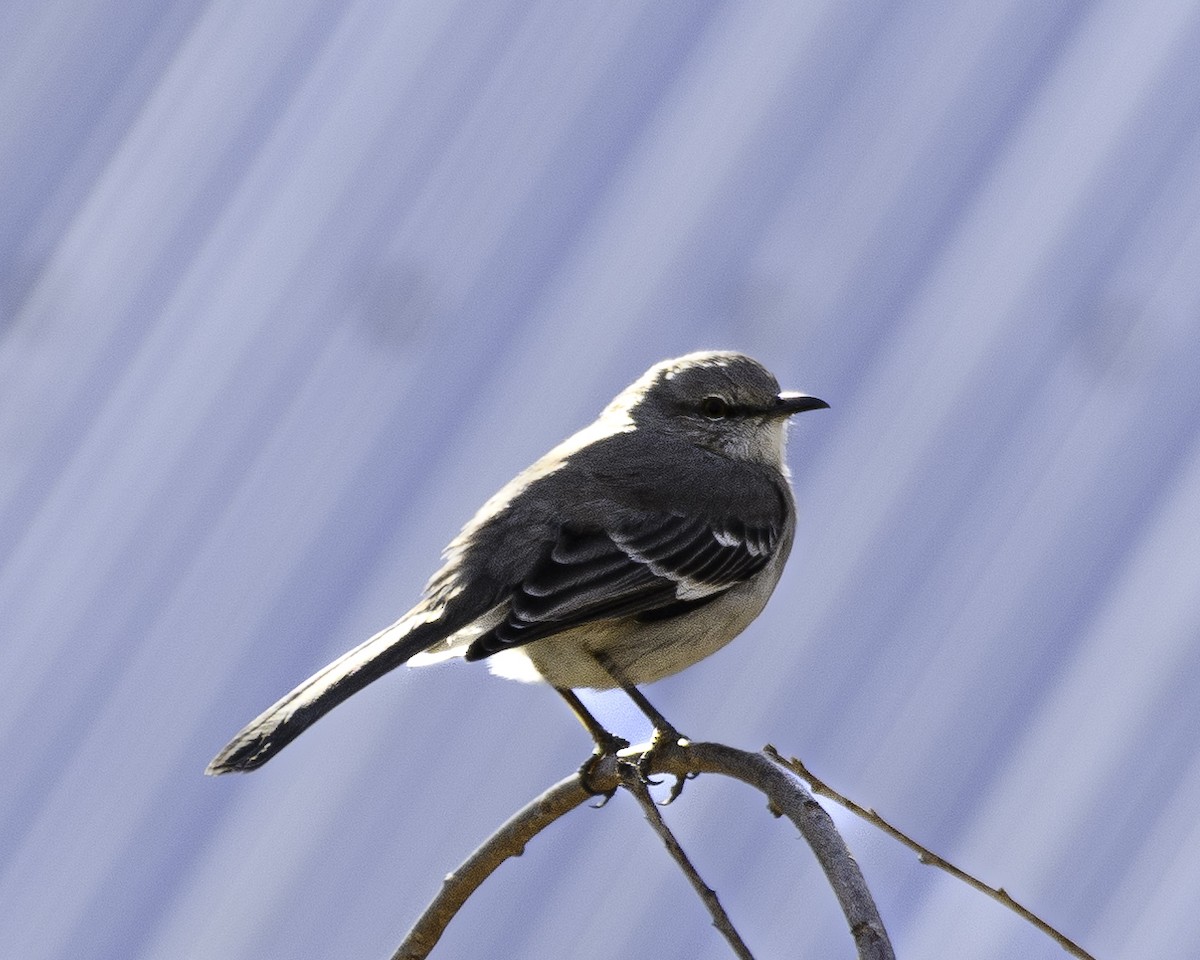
[(661, 563), (697, 551), (557, 591), (665, 536), (576, 548)]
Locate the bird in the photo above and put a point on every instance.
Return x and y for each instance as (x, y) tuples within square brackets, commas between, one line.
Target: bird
[(638, 546)]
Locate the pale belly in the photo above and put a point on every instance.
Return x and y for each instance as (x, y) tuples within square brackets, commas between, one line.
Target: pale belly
[(644, 652)]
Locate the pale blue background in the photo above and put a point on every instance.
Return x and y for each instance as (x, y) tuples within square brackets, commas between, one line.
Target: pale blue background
[(288, 288)]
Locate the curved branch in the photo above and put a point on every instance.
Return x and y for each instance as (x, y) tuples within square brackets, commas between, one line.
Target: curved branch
[(791, 799), (508, 841), (787, 795)]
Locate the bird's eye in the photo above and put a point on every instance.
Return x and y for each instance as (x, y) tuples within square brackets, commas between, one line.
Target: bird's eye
[(715, 408)]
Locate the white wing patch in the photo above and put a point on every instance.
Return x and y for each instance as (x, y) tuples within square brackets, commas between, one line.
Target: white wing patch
[(685, 587), (689, 588)]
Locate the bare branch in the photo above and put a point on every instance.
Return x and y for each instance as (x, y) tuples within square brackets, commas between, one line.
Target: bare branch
[(633, 780), (927, 856), (787, 796), (508, 841)]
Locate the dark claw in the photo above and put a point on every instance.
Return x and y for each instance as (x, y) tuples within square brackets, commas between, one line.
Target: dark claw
[(604, 798), (609, 748), (662, 738), (643, 767), (677, 787)]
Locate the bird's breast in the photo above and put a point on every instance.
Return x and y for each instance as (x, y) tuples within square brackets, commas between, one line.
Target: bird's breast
[(644, 650)]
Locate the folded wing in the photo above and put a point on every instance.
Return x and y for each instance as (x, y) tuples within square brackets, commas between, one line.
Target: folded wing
[(661, 565)]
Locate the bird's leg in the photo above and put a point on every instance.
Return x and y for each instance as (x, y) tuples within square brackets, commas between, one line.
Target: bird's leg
[(607, 744), (664, 730)]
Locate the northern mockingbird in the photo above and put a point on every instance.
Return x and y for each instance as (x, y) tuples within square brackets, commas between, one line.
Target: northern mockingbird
[(633, 549)]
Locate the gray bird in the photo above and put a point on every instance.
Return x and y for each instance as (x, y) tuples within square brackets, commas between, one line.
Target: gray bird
[(633, 549)]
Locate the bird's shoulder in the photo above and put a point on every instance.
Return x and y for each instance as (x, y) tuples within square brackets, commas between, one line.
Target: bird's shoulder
[(638, 473)]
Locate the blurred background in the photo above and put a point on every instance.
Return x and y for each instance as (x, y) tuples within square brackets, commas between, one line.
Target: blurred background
[(287, 289)]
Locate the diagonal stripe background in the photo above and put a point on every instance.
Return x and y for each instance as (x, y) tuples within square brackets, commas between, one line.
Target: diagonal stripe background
[(288, 289)]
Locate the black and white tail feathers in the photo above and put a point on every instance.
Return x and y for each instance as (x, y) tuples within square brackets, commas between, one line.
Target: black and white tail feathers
[(285, 720)]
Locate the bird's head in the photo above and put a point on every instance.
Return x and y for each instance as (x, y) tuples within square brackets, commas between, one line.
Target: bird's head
[(720, 400)]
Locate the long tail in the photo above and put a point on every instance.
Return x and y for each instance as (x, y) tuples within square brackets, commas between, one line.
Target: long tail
[(285, 720)]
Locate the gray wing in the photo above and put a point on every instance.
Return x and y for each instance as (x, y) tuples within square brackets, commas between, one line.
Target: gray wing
[(660, 566)]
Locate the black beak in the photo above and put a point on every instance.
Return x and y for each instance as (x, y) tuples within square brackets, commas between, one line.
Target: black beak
[(789, 402)]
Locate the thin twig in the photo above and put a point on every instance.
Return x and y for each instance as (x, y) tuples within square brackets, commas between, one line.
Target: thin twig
[(927, 856), (634, 781)]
